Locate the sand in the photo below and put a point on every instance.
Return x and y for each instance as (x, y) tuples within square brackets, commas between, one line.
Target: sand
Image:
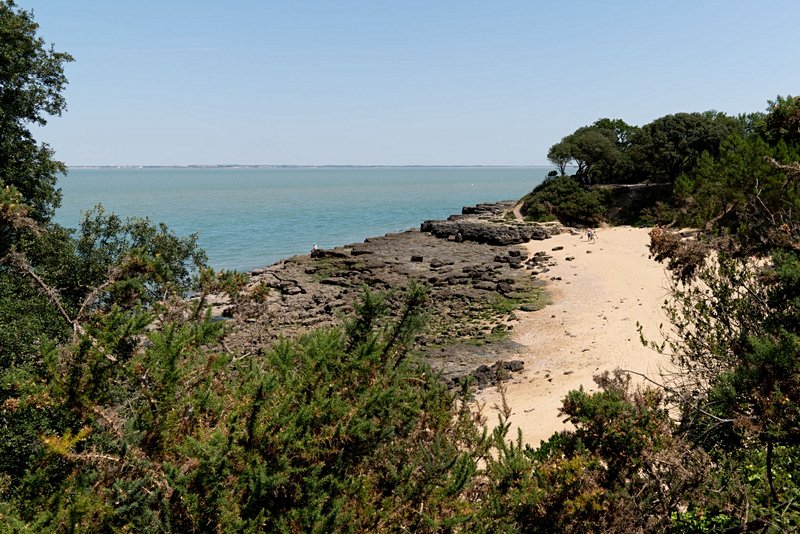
[(589, 327)]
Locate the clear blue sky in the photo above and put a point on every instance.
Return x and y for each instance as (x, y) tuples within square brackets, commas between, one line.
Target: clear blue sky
[(406, 82)]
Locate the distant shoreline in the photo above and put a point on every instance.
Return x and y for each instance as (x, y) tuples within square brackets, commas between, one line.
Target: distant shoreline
[(251, 217), (241, 166)]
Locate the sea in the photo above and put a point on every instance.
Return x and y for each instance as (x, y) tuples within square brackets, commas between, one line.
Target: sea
[(250, 217)]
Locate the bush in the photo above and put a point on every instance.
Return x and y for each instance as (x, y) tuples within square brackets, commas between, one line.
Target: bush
[(566, 199), (342, 429)]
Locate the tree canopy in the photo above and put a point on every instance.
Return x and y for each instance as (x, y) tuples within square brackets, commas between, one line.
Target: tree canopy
[(671, 145), (32, 81), (600, 151), (782, 120)]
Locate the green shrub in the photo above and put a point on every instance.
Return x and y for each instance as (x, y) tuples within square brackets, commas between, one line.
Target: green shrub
[(566, 199)]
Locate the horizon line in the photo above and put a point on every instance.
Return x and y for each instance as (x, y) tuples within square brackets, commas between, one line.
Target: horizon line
[(282, 166)]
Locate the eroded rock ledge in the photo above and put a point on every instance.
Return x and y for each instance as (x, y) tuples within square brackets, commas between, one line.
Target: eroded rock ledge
[(476, 283), (488, 224)]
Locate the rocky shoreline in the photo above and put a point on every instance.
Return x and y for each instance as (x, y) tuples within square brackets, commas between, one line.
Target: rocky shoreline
[(477, 278)]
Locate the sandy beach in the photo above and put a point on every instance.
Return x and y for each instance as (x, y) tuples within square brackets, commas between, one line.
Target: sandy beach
[(590, 326)]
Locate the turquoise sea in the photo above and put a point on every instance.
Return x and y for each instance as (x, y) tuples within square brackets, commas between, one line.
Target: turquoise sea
[(249, 217)]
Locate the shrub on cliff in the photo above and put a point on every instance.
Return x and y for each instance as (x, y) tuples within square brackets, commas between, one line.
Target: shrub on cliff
[(623, 468), (736, 343), (719, 193), (564, 198), (340, 430)]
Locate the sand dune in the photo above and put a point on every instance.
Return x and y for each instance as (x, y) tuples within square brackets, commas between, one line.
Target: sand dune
[(590, 326)]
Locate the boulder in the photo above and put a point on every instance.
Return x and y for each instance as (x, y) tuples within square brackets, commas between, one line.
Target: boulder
[(488, 233), (494, 208), (486, 375), (504, 287)]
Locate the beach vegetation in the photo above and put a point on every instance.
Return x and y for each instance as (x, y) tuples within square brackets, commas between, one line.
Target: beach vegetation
[(524, 299), (688, 168), (735, 340), (123, 410), (566, 199)]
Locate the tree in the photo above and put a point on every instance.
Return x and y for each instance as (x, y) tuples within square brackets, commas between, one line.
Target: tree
[(719, 189), (585, 147), (782, 121), (751, 123), (591, 147), (598, 150), (31, 84), (671, 145), (735, 336), (566, 199), (623, 132), (560, 155)]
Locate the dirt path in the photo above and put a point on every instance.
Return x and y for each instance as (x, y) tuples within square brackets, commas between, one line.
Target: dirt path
[(597, 299), (518, 212)]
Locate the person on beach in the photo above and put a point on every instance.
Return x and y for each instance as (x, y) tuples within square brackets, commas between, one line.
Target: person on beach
[(590, 235)]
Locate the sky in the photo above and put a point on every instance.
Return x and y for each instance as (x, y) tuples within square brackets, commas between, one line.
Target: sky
[(181, 82)]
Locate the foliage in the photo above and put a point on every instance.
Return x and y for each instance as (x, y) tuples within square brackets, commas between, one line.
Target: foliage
[(566, 199), (560, 155), (712, 161), (720, 192), (671, 145), (152, 262), (31, 84), (667, 150), (658, 213), (121, 409), (74, 311), (736, 342), (340, 430), (599, 151), (66, 351), (109, 264), (782, 120), (623, 468)]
